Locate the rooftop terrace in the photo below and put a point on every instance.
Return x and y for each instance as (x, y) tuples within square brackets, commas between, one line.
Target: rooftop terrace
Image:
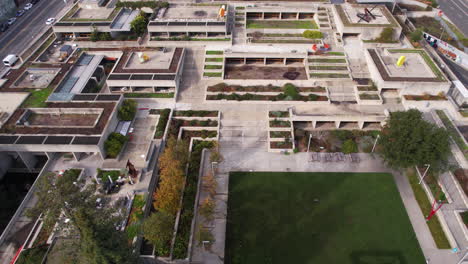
[(348, 14), (193, 13)]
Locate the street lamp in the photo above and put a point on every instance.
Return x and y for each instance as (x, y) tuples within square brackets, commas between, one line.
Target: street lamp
[(375, 143), (425, 172), (308, 145)]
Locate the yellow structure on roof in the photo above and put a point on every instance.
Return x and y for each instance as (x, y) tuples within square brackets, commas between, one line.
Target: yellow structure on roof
[(401, 61)]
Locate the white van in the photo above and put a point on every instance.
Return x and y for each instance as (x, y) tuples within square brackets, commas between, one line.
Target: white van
[(10, 60)]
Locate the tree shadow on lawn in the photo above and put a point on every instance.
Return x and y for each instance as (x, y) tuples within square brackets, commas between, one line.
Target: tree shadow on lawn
[(377, 257)]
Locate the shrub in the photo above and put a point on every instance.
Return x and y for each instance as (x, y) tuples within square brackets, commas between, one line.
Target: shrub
[(291, 90), (349, 146), (114, 143), (128, 110), (416, 35), (163, 117), (342, 134), (312, 34), (105, 36), (94, 35), (313, 97)]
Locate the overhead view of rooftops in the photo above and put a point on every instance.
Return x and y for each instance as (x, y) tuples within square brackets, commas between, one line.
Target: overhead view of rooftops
[(237, 132)]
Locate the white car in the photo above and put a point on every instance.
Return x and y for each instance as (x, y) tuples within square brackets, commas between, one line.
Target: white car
[(28, 6), (11, 21), (50, 21)]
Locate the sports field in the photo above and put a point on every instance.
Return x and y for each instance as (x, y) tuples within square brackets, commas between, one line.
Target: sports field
[(355, 218)]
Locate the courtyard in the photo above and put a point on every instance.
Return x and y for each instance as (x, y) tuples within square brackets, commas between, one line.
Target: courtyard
[(283, 217)]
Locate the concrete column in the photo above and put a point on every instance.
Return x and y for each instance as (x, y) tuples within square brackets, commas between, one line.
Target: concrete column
[(245, 60), (297, 16), (360, 124), (264, 60), (337, 124), (28, 159), (263, 15), (314, 124), (281, 15), (284, 61)]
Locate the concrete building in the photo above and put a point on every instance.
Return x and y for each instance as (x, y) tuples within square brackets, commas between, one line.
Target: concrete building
[(190, 21), (419, 75), (351, 20), (144, 70), (84, 18), (79, 127)]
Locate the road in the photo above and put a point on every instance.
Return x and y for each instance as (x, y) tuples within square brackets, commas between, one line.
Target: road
[(458, 70), (457, 11), (28, 27)]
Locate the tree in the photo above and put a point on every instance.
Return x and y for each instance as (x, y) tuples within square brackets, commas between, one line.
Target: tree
[(114, 143), (128, 110), (172, 177), (349, 146), (94, 35), (408, 140), (98, 241), (416, 35), (157, 229), (138, 25)]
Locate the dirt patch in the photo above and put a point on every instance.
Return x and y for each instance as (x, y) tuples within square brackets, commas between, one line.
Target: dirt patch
[(265, 72)]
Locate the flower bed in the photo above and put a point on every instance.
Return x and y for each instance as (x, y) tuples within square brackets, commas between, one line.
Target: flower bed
[(279, 123), (223, 87), (257, 97), (196, 113), (278, 114), (328, 60), (136, 215), (280, 134)]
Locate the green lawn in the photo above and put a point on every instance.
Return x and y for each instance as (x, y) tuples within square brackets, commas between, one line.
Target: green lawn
[(306, 24), (359, 218), (37, 98)]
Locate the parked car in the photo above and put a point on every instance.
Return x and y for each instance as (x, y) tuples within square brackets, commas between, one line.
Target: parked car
[(20, 13), (11, 21), (28, 6), (10, 60), (34, 2), (4, 27), (50, 21)]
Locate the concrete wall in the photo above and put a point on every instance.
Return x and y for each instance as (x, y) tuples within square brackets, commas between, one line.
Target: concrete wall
[(7, 9), (6, 161)]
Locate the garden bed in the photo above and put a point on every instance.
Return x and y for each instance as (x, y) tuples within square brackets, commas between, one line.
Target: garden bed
[(280, 123), (188, 134), (214, 52), (212, 74), (246, 72), (294, 24), (425, 205), (136, 216), (425, 97), (196, 113), (258, 97), (185, 222), (280, 134), (103, 174), (281, 145), (328, 60), (278, 114), (453, 132), (223, 87), (329, 68), (162, 122), (149, 95), (367, 96)]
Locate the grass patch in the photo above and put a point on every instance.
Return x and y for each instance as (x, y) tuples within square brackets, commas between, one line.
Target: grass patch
[(305, 24), (425, 205), (214, 52), (103, 174), (212, 74), (319, 67), (149, 95), (240, 7), (328, 60), (457, 32), (329, 75), (336, 53), (213, 59), (272, 213), (453, 132), (213, 67), (37, 98)]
